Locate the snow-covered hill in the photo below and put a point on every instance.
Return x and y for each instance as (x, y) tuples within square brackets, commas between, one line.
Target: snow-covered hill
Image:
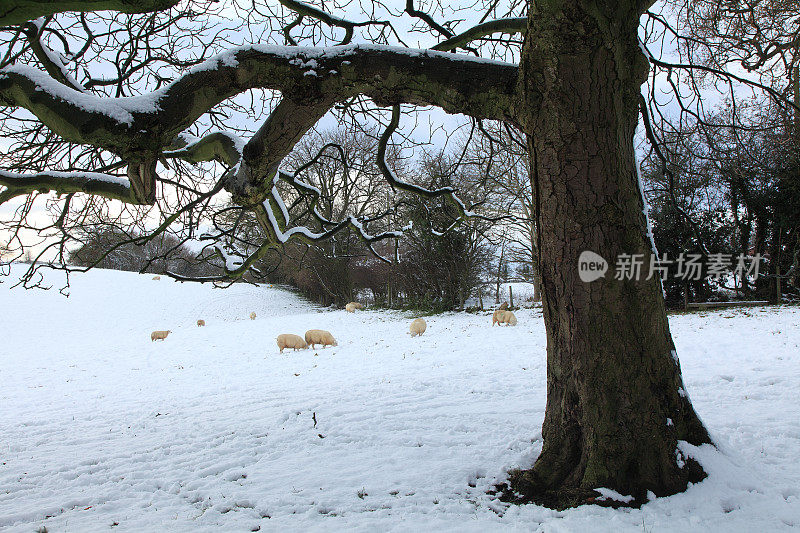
[(214, 430)]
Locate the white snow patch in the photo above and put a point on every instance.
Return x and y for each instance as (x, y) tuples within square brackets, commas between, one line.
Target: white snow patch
[(679, 458), (610, 494)]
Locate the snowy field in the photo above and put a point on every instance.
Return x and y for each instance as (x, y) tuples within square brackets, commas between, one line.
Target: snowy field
[(213, 430)]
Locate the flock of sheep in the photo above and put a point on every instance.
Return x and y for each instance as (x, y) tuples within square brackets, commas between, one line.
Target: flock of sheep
[(319, 336)]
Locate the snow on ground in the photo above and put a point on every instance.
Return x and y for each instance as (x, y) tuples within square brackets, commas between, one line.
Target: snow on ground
[(212, 429)]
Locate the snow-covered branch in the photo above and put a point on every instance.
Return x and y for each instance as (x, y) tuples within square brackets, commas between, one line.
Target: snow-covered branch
[(53, 63), (456, 83), (95, 183), (221, 146)]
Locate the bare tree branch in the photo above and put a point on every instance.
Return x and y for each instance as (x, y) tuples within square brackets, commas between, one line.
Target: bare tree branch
[(19, 11)]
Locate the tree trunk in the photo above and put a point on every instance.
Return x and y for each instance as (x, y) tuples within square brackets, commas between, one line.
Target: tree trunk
[(499, 270), (616, 405), (742, 233), (795, 280), (796, 83), (686, 295), (775, 258)]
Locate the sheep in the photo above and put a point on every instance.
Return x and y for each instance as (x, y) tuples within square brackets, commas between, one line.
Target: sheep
[(352, 306), (498, 313), (253, 315), (319, 336), (159, 335), (156, 277), (508, 318), (496, 316), (201, 322), (418, 327), (288, 340)]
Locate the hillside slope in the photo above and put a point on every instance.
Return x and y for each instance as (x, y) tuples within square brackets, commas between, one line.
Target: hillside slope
[(213, 429)]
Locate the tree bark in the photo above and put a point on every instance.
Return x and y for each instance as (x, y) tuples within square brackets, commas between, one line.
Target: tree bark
[(616, 405)]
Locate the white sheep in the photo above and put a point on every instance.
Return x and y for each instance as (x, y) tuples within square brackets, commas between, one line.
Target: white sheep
[(498, 313), (508, 318), (201, 322), (289, 340), (352, 306), (156, 277), (418, 327), (320, 336), (159, 335), (253, 315)]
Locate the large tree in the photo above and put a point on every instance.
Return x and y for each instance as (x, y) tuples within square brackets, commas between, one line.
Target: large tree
[(113, 117)]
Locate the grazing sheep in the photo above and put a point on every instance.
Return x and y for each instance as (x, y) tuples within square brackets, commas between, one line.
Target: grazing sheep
[(156, 277), (418, 327), (159, 335), (508, 318), (320, 336), (288, 340), (201, 322), (253, 315), (352, 306), (497, 315)]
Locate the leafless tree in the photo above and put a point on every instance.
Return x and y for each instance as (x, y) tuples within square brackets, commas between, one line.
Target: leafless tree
[(499, 154)]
